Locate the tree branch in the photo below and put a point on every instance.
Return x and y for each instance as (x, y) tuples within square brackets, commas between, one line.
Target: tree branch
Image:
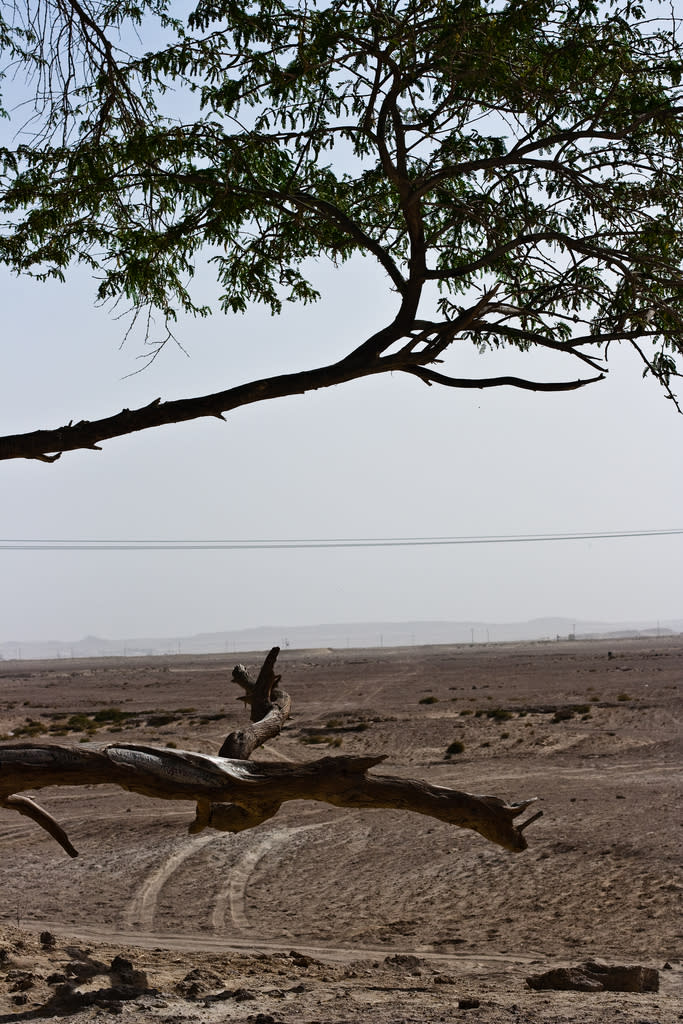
[(432, 377), (48, 445), (233, 794), (270, 708)]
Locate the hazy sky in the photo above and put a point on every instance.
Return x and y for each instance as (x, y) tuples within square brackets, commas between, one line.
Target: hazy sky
[(384, 457)]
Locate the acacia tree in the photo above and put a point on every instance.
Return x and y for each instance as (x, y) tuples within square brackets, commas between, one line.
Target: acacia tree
[(513, 166)]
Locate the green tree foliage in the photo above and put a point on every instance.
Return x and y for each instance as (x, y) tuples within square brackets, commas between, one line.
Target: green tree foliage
[(513, 166)]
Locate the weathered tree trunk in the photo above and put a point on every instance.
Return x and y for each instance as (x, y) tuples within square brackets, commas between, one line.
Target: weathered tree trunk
[(233, 793)]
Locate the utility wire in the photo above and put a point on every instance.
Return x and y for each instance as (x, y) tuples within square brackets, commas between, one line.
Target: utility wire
[(19, 544)]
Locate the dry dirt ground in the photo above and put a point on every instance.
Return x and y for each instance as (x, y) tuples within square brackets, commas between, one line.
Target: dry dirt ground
[(337, 916)]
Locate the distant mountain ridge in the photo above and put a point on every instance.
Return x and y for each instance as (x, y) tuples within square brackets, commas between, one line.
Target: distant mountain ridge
[(339, 635)]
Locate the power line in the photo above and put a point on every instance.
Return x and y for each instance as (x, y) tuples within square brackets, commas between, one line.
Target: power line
[(70, 544)]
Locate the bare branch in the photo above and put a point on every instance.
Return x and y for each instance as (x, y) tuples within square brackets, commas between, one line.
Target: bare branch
[(232, 794), (252, 791), (432, 377)]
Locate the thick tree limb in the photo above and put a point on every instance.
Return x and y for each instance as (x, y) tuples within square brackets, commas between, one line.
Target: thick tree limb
[(232, 793), (48, 445), (254, 791)]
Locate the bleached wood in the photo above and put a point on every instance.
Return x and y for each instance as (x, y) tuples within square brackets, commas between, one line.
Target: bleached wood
[(233, 793)]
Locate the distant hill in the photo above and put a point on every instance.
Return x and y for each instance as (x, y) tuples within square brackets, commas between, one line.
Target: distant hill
[(339, 635)]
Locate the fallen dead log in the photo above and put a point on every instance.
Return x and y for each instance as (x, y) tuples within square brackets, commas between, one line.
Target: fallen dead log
[(231, 792)]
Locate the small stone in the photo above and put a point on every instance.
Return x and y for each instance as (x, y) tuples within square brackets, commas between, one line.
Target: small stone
[(406, 962), (19, 981)]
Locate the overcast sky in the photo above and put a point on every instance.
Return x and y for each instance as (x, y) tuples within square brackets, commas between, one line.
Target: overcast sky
[(384, 457)]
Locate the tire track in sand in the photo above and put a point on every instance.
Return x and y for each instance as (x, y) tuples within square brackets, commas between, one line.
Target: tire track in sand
[(140, 911), (232, 899)]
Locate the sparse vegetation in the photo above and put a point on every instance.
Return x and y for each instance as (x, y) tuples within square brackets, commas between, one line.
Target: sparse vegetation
[(113, 716), (456, 747), (318, 737), (32, 727), (428, 700), (81, 722), (498, 714), (158, 720), (89, 722)]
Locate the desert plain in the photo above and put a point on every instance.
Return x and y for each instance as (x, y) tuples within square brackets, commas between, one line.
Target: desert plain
[(339, 916)]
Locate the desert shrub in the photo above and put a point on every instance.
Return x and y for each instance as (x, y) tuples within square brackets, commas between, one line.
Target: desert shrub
[(499, 714), (505, 735), (581, 709), (563, 715), (163, 719), (80, 722), (32, 727), (624, 696), (428, 700), (111, 715), (456, 747), (467, 711)]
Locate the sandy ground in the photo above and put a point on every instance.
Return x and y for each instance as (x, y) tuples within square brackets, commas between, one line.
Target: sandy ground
[(327, 915)]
